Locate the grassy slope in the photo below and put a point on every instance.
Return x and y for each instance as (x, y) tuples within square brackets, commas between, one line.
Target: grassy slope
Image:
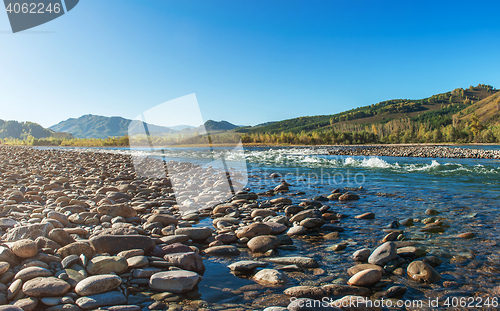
[(487, 110)]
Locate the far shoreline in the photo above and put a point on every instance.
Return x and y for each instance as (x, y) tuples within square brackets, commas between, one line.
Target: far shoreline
[(423, 150), (275, 145)]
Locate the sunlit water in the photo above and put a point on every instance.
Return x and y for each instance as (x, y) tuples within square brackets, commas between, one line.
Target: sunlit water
[(464, 191)]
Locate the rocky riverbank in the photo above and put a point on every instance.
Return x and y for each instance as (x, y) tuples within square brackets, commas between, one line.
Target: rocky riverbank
[(415, 151), (81, 231)]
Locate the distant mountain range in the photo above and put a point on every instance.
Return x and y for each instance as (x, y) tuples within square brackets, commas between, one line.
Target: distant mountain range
[(93, 126), (481, 103)]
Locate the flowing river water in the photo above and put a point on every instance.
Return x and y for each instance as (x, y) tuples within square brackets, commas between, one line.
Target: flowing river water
[(465, 193)]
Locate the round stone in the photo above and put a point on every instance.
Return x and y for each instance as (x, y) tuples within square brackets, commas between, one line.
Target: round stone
[(46, 287), (32, 272), (422, 272), (97, 284), (365, 278), (177, 282), (25, 248), (107, 264)]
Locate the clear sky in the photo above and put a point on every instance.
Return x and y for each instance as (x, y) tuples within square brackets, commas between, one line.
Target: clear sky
[(247, 61)]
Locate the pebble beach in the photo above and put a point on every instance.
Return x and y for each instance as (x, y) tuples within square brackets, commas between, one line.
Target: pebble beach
[(82, 231), (416, 151)]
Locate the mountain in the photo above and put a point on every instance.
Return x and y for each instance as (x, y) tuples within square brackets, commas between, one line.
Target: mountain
[(182, 127), (92, 126), (212, 126), (22, 130), (437, 109)]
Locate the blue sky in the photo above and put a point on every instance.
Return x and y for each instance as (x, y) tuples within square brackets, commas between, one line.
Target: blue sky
[(247, 61)]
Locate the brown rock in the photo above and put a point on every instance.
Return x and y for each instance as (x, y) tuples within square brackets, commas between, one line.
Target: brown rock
[(263, 243), (77, 248), (123, 210), (61, 237), (361, 267), (365, 278), (8, 256), (31, 273), (113, 244), (28, 232), (46, 287), (422, 272), (165, 220), (107, 264), (368, 215), (24, 248), (43, 242), (466, 235), (262, 212), (187, 261), (253, 230), (305, 291)]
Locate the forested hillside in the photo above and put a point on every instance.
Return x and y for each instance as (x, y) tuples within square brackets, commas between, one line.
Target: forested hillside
[(461, 115), (26, 130), (434, 109)]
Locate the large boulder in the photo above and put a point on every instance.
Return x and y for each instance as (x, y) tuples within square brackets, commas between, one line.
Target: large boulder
[(77, 248), (270, 277), (246, 265), (165, 220), (8, 256), (422, 272), (113, 244), (276, 228), (98, 284), (46, 287), (28, 232), (161, 251), (107, 264), (364, 266), (187, 261), (308, 213), (196, 234), (263, 243), (365, 278), (93, 302), (253, 230), (25, 248), (177, 281), (61, 237), (31, 273)]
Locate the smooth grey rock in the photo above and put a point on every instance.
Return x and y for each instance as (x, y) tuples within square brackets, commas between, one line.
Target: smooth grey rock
[(112, 298), (177, 281), (383, 254)]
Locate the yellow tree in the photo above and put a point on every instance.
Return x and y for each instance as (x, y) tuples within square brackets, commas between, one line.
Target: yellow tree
[(475, 125)]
